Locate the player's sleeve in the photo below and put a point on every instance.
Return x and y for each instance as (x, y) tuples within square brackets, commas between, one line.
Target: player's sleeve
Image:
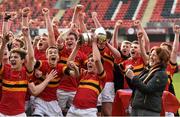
[(102, 75)]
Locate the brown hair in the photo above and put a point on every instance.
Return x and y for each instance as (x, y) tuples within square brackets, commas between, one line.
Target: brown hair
[(169, 46), (108, 35), (51, 47), (74, 34), (20, 51), (22, 43), (163, 55), (127, 42), (135, 42)]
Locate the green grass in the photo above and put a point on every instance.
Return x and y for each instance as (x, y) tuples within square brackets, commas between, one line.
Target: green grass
[(176, 83)]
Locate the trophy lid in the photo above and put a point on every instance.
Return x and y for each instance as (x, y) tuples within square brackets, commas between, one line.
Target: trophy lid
[(100, 30)]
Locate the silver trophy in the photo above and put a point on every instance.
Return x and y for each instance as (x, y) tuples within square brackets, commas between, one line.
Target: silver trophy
[(87, 37)]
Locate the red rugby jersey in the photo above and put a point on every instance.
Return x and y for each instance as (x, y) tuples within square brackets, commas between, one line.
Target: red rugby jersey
[(69, 83), (14, 88), (108, 64), (120, 60), (86, 49), (88, 90), (107, 60), (137, 65), (0, 86), (170, 69), (49, 93), (40, 55)]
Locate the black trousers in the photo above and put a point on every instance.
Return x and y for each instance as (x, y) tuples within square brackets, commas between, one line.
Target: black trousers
[(143, 112)]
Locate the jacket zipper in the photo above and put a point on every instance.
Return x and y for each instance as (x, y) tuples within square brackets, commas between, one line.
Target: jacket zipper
[(145, 99), (134, 97)]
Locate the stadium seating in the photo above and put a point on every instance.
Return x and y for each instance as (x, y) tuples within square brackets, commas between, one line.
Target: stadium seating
[(35, 5), (106, 10), (163, 9)]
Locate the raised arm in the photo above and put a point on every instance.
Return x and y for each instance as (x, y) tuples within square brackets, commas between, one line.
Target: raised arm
[(139, 26), (51, 40), (3, 46), (5, 28), (114, 51), (72, 28), (97, 56), (64, 35), (77, 9), (37, 89), (55, 24), (25, 16), (175, 47), (114, 40), (142, 48), (74, 51), (70, 62), (7, 16), (73, 69), (95, 19), (30, 56), (82, 25)]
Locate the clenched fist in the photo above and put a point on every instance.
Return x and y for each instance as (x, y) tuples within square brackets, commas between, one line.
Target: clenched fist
[(25, 11), (45, 11)]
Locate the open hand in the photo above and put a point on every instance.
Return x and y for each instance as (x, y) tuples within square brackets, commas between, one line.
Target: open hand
[(51, 75)]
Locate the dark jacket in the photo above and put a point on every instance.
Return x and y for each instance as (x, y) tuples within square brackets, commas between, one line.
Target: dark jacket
[(148, 93)]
